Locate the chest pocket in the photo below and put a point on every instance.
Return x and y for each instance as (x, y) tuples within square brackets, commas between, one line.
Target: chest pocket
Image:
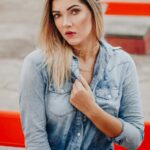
[(107, 93), (108, 99), (58, 101)]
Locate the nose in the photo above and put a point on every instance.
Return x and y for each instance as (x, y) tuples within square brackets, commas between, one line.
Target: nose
[(67, 21)]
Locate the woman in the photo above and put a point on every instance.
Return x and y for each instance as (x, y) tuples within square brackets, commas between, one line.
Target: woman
[(77, 91)]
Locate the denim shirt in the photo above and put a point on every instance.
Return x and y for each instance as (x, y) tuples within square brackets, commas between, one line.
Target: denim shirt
[(50, 122)]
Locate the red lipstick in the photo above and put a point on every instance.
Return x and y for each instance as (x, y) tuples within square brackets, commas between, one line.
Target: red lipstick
[(69, 33)]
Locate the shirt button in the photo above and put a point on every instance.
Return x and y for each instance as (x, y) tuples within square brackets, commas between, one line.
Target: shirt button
[(109, 96), (78, 134)]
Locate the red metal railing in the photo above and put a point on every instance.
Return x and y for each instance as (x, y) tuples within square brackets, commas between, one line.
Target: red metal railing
[(11, 132), (123, 7)]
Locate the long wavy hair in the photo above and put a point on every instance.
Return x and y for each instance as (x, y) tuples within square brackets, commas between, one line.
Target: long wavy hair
[(57, 52)]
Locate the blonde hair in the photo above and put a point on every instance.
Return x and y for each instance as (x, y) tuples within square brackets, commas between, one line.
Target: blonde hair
[(58, 53)]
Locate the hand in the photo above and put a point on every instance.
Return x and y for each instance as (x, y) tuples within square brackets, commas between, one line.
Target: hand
[(81, 95)]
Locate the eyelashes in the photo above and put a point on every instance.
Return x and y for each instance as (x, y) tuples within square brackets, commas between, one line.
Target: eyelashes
[(55, 16), (72, 12), (75, 11)]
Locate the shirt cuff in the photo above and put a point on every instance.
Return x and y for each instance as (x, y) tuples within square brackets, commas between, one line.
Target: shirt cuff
[(119, 139), (129, 137)]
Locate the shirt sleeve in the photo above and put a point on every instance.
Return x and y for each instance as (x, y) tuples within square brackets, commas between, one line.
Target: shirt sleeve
[(32, 106), (130, 113)]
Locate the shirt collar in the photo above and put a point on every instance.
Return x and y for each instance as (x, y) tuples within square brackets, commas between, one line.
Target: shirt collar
[(75, 65)]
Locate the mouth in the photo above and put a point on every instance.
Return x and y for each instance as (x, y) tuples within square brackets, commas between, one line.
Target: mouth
[(69, 33)]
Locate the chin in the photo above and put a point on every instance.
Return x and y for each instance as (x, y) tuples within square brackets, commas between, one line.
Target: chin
[(73, 42)]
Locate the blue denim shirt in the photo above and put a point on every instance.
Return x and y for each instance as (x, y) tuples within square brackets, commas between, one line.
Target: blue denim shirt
[(50, 122)]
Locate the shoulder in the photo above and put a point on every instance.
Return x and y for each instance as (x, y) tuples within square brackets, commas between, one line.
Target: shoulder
[(34, 59), (122, 57), (33, 65), (117, 54)]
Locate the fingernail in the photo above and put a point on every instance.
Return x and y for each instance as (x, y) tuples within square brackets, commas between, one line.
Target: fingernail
[(80, 77)]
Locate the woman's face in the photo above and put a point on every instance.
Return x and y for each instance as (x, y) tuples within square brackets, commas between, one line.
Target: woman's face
[(73, 20)]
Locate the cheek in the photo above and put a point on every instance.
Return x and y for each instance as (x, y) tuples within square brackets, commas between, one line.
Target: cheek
[(58, 25), (84, 22)]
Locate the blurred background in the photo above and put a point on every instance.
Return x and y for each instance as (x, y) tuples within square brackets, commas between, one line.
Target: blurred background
[(19, 27)]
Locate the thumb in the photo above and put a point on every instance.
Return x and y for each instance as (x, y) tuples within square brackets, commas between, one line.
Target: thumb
[(84, 82)]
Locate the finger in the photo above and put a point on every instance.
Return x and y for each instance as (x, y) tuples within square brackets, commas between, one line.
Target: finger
[(78, 85), (73, 92), (84, 82), (74, 89)]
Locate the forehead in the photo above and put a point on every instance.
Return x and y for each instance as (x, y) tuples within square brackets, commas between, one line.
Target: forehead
[(64, 4)]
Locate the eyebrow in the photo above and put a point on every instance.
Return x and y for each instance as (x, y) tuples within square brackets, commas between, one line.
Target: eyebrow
[(67, 8)]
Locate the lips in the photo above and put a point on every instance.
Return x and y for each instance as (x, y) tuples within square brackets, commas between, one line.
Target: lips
[(69, 33)]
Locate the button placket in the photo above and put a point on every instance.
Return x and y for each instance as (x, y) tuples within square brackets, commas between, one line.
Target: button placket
[(78, 130)]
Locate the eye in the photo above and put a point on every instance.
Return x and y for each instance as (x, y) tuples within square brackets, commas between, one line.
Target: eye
[(75, 11), (55, 16)]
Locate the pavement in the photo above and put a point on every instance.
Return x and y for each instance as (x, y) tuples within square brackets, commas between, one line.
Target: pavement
[(19, 26)]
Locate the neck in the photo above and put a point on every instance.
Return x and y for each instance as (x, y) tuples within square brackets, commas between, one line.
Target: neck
[(87, 51)]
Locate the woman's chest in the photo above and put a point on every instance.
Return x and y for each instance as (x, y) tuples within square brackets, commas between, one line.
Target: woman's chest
[(58, 104)]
